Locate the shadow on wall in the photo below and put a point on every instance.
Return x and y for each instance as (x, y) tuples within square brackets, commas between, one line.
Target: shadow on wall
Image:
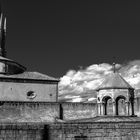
[(137, 106), (45, 135)]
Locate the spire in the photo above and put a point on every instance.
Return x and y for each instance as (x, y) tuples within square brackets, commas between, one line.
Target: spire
[(4, 39), (2, 36)]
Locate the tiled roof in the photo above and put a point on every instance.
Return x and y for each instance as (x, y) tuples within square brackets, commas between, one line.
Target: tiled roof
[(114, 80), (30, 75)]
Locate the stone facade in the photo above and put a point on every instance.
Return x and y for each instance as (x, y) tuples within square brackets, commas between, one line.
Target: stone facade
[(18, 91), (96, 131), (79, 110), (46, 112), (71, 131)]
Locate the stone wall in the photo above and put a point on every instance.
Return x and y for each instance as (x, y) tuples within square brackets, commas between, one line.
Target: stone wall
[(40, 121), (48, 111), (23, 132), (70, 131), (96, 131), (13, 91), (28, 112), (79, 110), (44, 111)]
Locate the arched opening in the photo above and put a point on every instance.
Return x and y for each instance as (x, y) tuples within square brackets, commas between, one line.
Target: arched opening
[(120, 105), (108, 105)]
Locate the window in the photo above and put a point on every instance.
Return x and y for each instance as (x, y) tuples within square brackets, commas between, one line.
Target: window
[(31, 95)]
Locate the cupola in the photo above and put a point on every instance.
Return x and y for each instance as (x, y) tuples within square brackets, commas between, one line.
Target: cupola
[(115, 96)]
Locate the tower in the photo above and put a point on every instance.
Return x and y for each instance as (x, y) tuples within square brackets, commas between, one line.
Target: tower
[(2, 35), (7, 66), (115, 96)]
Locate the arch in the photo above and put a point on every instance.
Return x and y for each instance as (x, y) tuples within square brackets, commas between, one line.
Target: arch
[(108, 105), (120, 105)]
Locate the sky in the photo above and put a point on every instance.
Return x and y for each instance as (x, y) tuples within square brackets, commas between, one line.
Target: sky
[(76, 41), (53, 37)]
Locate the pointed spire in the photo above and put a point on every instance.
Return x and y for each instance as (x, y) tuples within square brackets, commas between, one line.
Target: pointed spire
[(1, 33), (4, 39), (2, 36)]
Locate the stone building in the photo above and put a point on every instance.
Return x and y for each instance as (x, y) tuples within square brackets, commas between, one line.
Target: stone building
[(114, 88), (30, 110)]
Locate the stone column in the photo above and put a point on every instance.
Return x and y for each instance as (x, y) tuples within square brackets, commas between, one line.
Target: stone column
[(114, 108), (103, 108), (127, 108), (99, 109)]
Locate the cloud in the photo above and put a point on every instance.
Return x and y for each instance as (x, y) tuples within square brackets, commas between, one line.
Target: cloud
[(131, 73), (83, 81), (80, 85)]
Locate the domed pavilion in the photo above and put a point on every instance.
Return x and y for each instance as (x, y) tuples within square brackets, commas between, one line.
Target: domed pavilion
[(115, 96)]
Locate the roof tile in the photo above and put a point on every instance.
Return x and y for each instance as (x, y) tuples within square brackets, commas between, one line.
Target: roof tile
[(114, 80)]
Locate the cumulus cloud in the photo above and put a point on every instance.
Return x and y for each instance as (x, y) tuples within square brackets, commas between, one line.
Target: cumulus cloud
[(131, 73), (80, 85), (83, 81)]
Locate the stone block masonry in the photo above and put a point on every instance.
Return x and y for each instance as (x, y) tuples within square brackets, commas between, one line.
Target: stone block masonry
[(70, 131), (13, 131), (79, 110), (96, 131), (40, 121), (44, 111)]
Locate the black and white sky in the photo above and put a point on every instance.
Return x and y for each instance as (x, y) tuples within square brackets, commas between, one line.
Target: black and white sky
[(54, 36)]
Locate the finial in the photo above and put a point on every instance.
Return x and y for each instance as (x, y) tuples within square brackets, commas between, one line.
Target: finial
[(114, 68)]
